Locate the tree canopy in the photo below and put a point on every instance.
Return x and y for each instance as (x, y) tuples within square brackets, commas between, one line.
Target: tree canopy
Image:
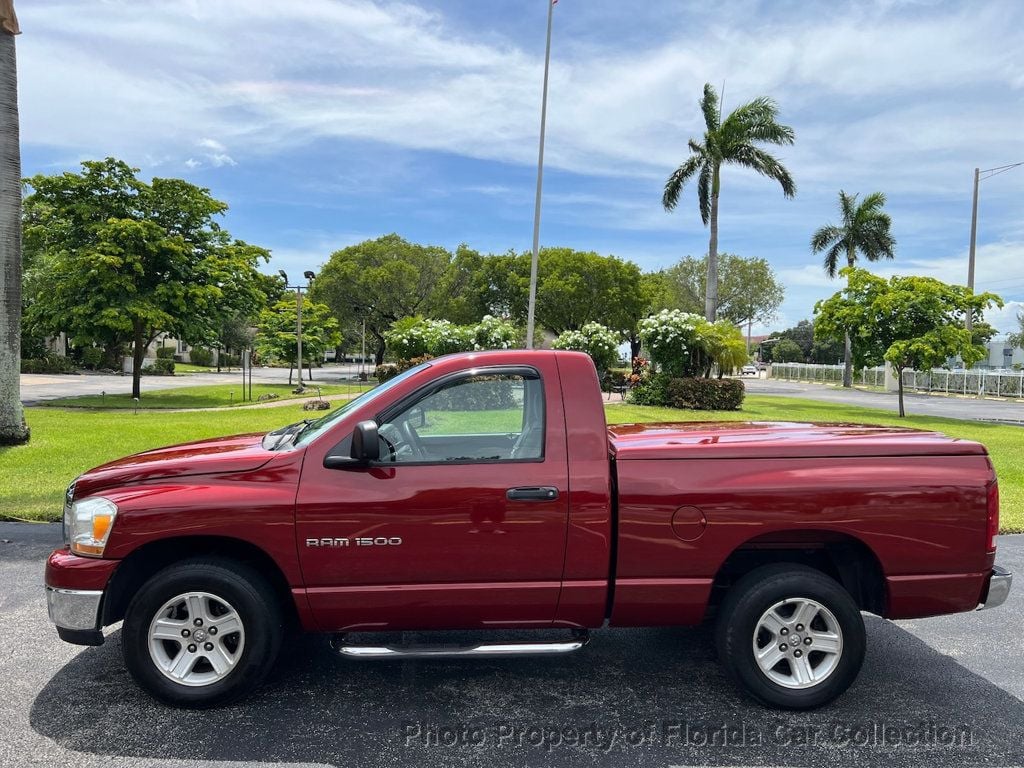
[(382, 281), (911, 322), (114, 260), (748, 289)]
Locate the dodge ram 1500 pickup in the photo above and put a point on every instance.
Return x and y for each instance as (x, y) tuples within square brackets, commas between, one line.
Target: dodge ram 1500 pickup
[(484, 491)]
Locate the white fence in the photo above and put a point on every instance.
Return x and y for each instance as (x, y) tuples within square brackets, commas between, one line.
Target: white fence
[(978, 382), (966, 382), (874, 377)]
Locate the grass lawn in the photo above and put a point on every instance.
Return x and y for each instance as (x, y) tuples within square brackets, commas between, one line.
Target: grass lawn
[(208, 396), (66, 442)]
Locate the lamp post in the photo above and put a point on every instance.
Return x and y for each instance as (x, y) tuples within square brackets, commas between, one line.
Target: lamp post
[(980, 175), (532, 308), (309, 275)]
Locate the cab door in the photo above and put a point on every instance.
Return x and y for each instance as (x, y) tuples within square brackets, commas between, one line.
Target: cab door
[(460, 524)]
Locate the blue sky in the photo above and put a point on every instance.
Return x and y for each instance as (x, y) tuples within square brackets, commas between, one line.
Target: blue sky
[(325, 122)]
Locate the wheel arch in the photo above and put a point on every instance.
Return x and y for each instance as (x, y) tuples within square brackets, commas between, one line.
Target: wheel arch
[(145, 561), (843, 557)]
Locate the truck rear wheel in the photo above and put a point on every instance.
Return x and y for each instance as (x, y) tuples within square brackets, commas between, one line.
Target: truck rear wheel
[(790, 636), (202, 632)]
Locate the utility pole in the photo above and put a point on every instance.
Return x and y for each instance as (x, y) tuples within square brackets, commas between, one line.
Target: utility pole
[(531, 312), (974, 241), (979, 176)]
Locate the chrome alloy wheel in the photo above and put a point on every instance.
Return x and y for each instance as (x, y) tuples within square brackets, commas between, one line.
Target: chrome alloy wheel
[(798, 643), (196, 639)]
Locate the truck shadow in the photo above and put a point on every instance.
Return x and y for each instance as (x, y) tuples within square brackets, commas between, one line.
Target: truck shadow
[(633, 697)]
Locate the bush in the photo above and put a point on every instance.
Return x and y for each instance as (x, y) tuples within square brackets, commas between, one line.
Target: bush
[(160, 367), (386, 371), (494, 333), (230, 361), (650, 390), (705, 394), (165, 353), (598, 341), (49, 363), (616, 378), (200, 356), (91, 357)]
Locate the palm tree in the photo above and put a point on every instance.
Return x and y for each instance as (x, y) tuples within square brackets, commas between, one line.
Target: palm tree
[(730, 141), (866, 229), (12, 418)]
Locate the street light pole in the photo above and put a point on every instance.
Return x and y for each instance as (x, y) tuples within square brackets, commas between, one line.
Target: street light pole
[(298, 331), (298, 317), (531, 312)]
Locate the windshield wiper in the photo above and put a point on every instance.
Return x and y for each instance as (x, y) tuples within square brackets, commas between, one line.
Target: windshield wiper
[(291, 431)]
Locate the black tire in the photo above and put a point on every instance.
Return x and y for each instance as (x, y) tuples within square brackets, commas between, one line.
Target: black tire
[(750, 598), (239, 586)]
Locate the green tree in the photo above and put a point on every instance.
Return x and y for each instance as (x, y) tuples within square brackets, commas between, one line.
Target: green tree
[(276, 339), (748, 290), (865, 230), (733, 141), (117, 260), (12, 419), (787, 351), (912, 322), (382, 281), (1017, 338), (812, 350)]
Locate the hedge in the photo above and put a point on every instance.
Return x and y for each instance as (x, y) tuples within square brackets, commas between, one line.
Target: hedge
[(201, 356), (51, 363), (705, 394), (165, 353)]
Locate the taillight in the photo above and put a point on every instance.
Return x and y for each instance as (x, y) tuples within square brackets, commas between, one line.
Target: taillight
[(993, 515)]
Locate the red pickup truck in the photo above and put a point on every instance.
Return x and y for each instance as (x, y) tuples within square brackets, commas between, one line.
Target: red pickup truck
[(485, 491)]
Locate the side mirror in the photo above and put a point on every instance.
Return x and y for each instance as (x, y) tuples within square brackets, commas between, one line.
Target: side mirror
[(365, 445), (365, 448)]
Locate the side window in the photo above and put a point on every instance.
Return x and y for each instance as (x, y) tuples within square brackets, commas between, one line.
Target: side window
[(477, 418)]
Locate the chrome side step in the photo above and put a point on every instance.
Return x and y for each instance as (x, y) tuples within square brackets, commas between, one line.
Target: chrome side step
[(480, 650)]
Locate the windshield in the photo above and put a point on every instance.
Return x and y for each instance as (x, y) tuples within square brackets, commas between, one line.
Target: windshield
[(316, 428)]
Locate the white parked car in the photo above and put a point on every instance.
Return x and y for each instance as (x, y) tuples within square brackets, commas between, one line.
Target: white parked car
[(749, 370)]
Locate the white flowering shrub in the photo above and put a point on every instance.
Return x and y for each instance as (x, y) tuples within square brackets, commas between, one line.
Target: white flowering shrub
[(494, 333), (415, 337), (598, 341), (673, 339)]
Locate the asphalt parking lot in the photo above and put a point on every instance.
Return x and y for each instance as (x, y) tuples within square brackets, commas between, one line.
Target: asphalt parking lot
[(937, 692)]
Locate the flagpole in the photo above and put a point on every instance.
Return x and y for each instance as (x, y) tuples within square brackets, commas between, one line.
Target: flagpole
[(540, 184)]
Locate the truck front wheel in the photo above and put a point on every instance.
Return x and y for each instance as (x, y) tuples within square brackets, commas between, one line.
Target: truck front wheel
[(790, 636), (202, 632)]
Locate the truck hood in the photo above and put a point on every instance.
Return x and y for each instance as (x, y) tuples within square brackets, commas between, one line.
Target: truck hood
[(758, 439), (239, 453)]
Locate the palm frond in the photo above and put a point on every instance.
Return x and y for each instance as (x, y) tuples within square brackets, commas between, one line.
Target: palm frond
[(758, 160), (824, 237), (709, 106), (704, 193), (675, 183), (833, 257)]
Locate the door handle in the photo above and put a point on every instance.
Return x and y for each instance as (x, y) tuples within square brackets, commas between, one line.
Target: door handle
[(532, 493)]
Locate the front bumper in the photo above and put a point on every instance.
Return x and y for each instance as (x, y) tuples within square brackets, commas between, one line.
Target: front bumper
[(998, 588), (76, 613)]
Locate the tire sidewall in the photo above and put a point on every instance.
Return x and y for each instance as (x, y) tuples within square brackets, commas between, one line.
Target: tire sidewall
[(751, 598), (244, 591)]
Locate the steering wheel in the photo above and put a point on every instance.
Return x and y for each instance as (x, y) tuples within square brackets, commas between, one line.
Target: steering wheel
[(412, 439), (402, 445)]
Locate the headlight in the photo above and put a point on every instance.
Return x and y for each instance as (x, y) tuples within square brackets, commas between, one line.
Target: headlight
[(90, 522)]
